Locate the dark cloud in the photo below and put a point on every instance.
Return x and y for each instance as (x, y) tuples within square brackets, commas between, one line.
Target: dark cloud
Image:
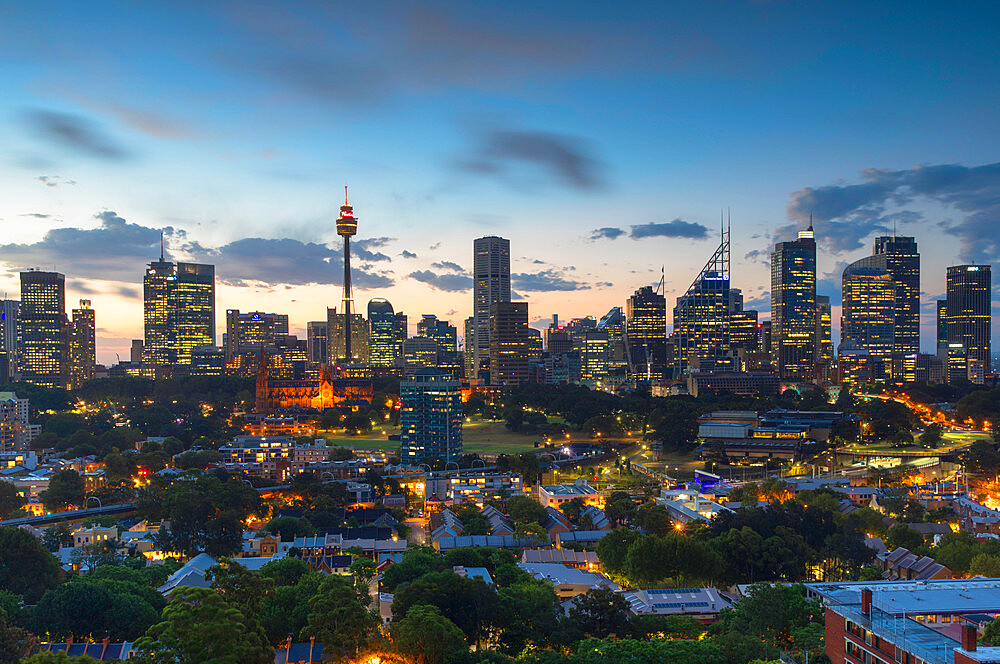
[(448, 265), (407, 254), (54, 180), (453, 283), (608, 232), (547, 280), (363, 248), (435, 246), (564, 158), (81, 287), (879, 201), (675, 228), (75, 132), (36, 215), (128, 291), (118, 250)]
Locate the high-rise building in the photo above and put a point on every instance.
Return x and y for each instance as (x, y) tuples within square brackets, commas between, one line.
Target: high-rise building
[(743, 332), (578, 328), (135, 351), (646, 334), (383, 348), (557, 339), (491, 285), (508, 343), (941, 326), (336, 348), (701, 316), (469, 346), (8, 329), (430, 418), (208, 361), (421, 352), (316, 338), (535, 349), (613, 323), (402, 331), (868, 316), (793, 307), (824, 334), (82, 345), (178, 310), (41, 329), (441, 332), (594, 358), (252, 331), (969, 311), (902, 260)]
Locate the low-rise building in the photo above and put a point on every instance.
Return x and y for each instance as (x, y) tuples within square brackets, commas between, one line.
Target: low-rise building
[(554, 495), (95, 535), (702, 604), (903, 565), (568, 581)]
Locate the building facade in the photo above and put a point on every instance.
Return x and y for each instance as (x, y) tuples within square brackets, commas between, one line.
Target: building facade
[(793, 307), (509, 343), (178, 311), (969, 311), (42, 329), (701, 316), (902, 260), (383, 348), (868, 316), (491, 285), (82, 345), (336, 347), (646, 334), (316, 339), (430, 418), (252, 331)]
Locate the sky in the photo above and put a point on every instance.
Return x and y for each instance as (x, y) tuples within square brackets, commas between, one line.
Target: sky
[(603, 139)]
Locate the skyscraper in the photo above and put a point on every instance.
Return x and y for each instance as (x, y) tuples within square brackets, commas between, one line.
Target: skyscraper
[(430, 418), (178, 310), (613, 323), (441, 332), (491, 284), (969, 311), (902, 260), (469, 347), (402, 331), (868, 316), (824, 340), (941, 326), (316, 339), (336, 346), (701, 316), (793, 307), (8, 330), (82, 345), (41, 329), (252, 331), (347, 225), (646, 333), (508, 343), (383, 348), (594, 358)]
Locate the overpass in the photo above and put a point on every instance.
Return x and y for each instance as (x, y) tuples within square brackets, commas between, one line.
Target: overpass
[(73, 515)]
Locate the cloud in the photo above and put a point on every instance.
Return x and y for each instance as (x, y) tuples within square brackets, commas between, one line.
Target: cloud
[(761, 302), (849, 213), (117, 250), (566, 159), (452, 283), (675, 228), (54, 180), (608, 232), (448, 265), (75, 132), (128, 291), (435, 246), (363, 248), (548, 280), (407, 254), (36, 215)]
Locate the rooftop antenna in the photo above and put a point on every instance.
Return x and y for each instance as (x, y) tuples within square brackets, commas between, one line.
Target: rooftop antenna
[(161, 245), (345, 194)]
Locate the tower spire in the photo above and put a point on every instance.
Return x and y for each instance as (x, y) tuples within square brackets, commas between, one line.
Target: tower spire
[(161, 246), (345, 195)]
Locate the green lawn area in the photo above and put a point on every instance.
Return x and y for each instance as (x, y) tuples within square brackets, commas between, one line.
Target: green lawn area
[(951, 440)]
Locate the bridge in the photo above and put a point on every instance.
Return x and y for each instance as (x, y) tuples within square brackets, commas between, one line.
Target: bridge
[(73, 515)]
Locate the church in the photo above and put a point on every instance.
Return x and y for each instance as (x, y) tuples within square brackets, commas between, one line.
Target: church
[(274, 395)]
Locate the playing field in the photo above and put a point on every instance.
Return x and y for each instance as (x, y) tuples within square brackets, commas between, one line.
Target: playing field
[(478, 437)]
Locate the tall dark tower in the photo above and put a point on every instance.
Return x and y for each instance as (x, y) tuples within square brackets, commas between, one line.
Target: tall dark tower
[(347, 225)]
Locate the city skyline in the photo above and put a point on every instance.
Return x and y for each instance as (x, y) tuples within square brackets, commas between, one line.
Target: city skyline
[(529, 138)]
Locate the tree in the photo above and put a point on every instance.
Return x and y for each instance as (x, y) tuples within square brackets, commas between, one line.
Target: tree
[(424, 632), (612, 549), (199, 627), (523, 509), (931, 437), (286, 610), (526, 614), (469, 603), (991, 633), (595, 651), (65, 491), (337, 619), (600, 613), (772, 613), (572, 509), (619, 507), (285, 572), (58, 657), (10, 499), (26, 568), (14, 641), (903, 536), (415, 564), (984, 564), (243, 589), (290, 527)]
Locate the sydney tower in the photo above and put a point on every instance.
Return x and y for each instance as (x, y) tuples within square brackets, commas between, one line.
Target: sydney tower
[(347, 225)]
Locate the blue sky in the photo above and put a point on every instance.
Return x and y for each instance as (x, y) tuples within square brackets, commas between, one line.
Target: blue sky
[(234, 126)]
